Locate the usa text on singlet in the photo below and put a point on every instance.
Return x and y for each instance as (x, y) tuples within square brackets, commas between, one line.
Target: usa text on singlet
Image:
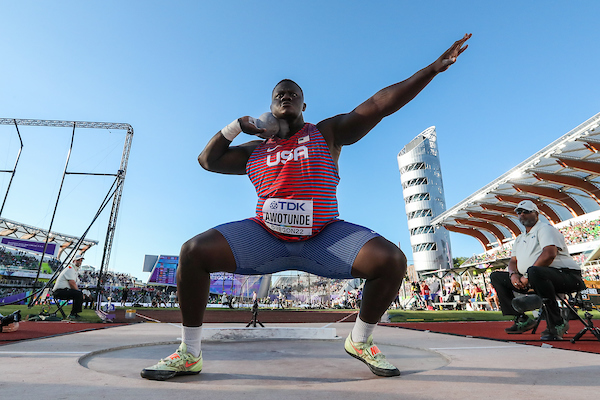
[(296, 181)]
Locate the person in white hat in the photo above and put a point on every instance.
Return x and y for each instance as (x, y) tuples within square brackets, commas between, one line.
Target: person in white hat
[(66, 287), (539, 261)]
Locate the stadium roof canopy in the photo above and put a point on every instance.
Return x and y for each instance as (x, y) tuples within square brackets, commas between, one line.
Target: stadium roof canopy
[(21, 231), (563, 179)]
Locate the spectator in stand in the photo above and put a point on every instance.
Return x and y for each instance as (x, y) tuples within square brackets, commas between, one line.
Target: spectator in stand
[(492, 298), (476, 293), (426, 293), (455, 287)]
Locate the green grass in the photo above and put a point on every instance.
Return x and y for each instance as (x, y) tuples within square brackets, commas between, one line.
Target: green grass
[(395, 315), (86, 315), (453, 315)]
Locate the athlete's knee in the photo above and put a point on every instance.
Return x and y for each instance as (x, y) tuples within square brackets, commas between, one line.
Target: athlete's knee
[(390, 262), (193, 249), (400, 262), (204, 249)]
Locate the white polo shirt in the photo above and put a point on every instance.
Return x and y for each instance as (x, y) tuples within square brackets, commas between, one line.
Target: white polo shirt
[(67, 274), (528, 247)]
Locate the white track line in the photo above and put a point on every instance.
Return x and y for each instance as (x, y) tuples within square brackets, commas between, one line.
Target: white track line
[(341, 320), (148, 318)]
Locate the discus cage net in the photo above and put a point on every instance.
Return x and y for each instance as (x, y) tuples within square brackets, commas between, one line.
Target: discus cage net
[(68, 245)]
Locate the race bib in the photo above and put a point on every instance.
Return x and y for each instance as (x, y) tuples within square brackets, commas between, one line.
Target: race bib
[(289, 216)]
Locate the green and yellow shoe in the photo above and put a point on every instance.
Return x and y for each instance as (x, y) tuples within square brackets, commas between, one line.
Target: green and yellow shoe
[(370, 354), (179, 363)]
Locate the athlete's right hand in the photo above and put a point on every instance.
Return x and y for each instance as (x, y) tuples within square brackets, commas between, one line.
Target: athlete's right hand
[(248, 125)]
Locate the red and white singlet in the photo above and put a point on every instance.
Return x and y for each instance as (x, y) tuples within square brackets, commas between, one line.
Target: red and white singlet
[(296, 181)]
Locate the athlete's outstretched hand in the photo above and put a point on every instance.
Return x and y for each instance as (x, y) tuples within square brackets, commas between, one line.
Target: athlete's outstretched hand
[(449, 57)]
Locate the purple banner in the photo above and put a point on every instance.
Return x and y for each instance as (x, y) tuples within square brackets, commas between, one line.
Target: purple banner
[(14, 297), (30, 245)]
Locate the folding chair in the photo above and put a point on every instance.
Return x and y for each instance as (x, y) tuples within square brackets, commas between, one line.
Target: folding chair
[(59, 307), (47, 308), (531, 302)]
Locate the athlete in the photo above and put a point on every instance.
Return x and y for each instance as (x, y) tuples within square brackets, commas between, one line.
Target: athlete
[(296, 225)]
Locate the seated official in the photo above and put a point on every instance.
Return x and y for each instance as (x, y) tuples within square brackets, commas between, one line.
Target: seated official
[(66, 288), (540, 262)]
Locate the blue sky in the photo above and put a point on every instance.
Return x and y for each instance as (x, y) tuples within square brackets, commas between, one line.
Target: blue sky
[(179, 71)]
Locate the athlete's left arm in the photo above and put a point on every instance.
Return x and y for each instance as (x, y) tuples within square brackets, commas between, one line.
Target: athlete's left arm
[(348, 128)]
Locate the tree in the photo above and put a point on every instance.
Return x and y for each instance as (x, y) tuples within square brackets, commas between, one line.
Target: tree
[(457, 261)]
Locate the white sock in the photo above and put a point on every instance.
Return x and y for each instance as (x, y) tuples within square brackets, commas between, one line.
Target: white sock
[(361, 331), (191, 337)]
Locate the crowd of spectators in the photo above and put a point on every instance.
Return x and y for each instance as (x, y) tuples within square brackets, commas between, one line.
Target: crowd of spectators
[(591, 273), (498, 253), (581, 232), (20, 259), (474, 293), (113, 279), (5, 292), (316, 292)]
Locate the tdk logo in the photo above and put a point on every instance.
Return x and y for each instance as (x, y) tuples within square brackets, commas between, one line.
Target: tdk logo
[(288, 206), (286, 155)]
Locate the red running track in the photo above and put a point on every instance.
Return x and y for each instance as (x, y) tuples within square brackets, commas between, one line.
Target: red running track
[(43, 329), (495, 330)]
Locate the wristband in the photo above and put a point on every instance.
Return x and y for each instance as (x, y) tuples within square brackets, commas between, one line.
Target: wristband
[(232, 130), (512, 273)]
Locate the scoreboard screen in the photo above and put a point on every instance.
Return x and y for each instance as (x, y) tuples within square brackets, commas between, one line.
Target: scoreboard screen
[(164, 271)]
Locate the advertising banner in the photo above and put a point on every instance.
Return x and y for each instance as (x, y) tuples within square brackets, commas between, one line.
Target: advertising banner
[(15, 297), (22, 273), (30, 245)]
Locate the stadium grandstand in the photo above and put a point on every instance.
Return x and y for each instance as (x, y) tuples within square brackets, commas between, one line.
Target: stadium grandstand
[(21, 249), (283, 289), (563, 179)]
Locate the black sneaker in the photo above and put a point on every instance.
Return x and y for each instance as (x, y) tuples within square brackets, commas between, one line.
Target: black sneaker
[(74, 317), (556, 332), (521, 325)]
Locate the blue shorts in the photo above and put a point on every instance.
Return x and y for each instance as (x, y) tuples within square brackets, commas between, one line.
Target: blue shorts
[(330, 253)]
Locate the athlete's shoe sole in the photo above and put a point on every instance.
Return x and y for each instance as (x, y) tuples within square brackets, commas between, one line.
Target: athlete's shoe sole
[(179, 363), (163, 375)]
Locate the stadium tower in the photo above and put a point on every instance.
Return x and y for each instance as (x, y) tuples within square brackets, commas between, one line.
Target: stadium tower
[(424, 200)]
